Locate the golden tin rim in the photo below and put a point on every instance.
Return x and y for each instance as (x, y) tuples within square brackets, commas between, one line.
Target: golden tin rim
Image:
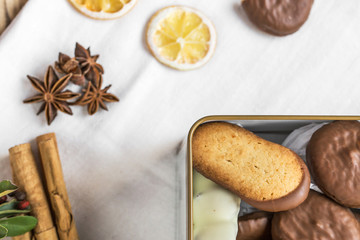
[(189, 203)]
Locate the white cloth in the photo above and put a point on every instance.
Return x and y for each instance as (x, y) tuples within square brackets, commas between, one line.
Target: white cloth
[(300, 137), (298, 141), (118, 165)]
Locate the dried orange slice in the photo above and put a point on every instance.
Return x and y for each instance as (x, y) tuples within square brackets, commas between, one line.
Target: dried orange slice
[(181, 37), (103, 9)]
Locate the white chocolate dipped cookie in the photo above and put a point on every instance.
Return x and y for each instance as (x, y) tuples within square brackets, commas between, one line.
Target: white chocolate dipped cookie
[(215, 210)]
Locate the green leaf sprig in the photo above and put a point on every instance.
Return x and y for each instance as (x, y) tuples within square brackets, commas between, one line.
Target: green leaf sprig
[(10, 223), (7, 187)]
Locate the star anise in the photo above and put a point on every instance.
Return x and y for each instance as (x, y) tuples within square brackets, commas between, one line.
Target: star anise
[(51, 94), (94, 97), (90, 68), (67, 65)]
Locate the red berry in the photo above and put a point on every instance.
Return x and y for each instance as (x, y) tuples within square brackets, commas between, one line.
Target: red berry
[(3, 199), (23, 205)]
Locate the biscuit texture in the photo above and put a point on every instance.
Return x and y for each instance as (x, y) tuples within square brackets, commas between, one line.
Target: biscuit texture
[(264, 174)]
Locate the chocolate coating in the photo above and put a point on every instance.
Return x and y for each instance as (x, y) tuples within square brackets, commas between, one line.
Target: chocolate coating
[(333, 156), (278, 17), (317, 218), (255, 226), (292, 200)]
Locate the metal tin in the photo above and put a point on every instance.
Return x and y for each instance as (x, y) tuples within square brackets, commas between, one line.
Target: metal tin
[(270, 124)]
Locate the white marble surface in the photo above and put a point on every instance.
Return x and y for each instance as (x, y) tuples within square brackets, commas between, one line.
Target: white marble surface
[(119, 166)]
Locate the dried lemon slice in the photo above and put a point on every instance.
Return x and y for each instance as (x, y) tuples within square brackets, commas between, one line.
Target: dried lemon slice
[(103, 9), (181, 37)]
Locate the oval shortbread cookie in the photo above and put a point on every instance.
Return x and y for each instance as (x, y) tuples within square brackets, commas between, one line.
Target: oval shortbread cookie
[(266, 175)]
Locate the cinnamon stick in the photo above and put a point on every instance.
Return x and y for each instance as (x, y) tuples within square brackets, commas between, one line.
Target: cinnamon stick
[(26, 177), (26, 236), (56, 188)]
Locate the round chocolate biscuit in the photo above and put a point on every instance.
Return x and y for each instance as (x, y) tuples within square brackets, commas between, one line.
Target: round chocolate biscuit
[(333, 156), (278, 17), (317, 218), (255, 226)]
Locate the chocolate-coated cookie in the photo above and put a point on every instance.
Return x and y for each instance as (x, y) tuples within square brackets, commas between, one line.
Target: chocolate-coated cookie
[(278, 17), (333, 156), (255, 226), (317, 218)]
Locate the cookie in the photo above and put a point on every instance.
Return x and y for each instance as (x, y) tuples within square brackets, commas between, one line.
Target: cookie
[(255, 226), (266, 175), (333, 156), (201, 184), (317, 218), (278, 17), (215, 210)]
